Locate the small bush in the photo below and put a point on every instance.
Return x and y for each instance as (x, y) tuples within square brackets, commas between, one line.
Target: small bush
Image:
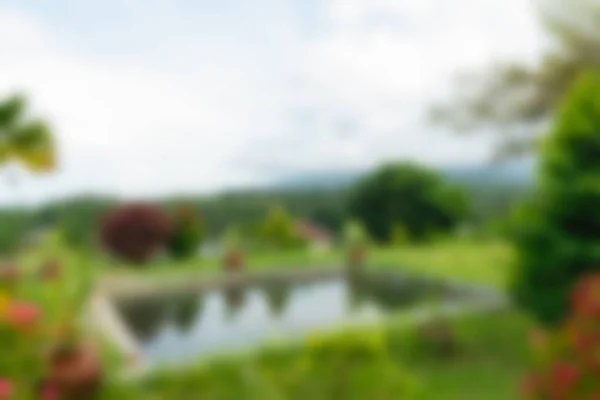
[(355, 235), (136, 232), (278, 230), (188, 233)]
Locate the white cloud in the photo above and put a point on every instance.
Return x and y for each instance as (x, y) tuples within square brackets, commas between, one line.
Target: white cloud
[(176, 98), (383, 61), (130, 129)]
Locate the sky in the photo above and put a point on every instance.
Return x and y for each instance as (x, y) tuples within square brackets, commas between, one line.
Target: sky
[(158, 97)]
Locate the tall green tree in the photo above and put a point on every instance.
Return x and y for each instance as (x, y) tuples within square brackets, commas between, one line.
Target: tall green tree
[(414, 196), (557, 234), (518, 99), (24, 141)]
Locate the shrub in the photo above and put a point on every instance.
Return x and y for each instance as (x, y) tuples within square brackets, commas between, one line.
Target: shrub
[(356, 241), (567, 363), (136, 232), (278, 229), (188, 233), (355, 235), (556, 234)]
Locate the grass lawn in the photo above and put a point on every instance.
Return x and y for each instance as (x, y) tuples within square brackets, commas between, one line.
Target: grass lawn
[(482, 262), (492, 366)]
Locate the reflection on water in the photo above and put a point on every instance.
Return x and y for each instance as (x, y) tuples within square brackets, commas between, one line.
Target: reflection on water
[(144, 317), (187, 308), (180, 327), (358, 291), (277, 298), (234, 299)]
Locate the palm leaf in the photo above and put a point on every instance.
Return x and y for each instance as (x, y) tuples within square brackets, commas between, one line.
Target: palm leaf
[(32, 146), (11, 111)]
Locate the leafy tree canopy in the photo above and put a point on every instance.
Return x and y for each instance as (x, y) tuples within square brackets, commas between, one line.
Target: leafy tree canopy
[(518, 99), (416, 197)]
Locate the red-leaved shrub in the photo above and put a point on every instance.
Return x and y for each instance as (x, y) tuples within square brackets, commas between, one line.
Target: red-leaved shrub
[(568, 360), (136, 232)]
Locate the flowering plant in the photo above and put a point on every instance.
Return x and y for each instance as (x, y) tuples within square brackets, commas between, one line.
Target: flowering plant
[(30, 333), (22, 339), (567, 362)]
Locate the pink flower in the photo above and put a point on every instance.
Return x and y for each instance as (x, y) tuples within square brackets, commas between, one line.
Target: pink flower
[(22, 315), (6, 389)]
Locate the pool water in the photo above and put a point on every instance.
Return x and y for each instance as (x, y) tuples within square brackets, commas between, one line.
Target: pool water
[(179, 327)]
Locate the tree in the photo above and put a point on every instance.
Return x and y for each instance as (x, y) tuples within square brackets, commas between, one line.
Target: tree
[(136, 232), (23, 141), (188, 233), (413, 196), (556, 233), (519, 99)]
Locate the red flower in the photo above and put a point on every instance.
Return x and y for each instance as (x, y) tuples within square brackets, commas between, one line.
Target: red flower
[(565, 376), (22, 315), (586, 297), (6, 389)]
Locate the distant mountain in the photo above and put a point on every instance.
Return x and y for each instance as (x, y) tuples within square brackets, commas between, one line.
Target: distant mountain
[(514, 174), (318, 180)]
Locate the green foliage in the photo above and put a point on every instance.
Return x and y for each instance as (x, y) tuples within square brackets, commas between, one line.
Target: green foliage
[(404, 193), (77, 218), (14, 225), (188, 233), (350, 365), (278, 229), (27, 142), (370, 363), (400, 235), (556, 234)]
